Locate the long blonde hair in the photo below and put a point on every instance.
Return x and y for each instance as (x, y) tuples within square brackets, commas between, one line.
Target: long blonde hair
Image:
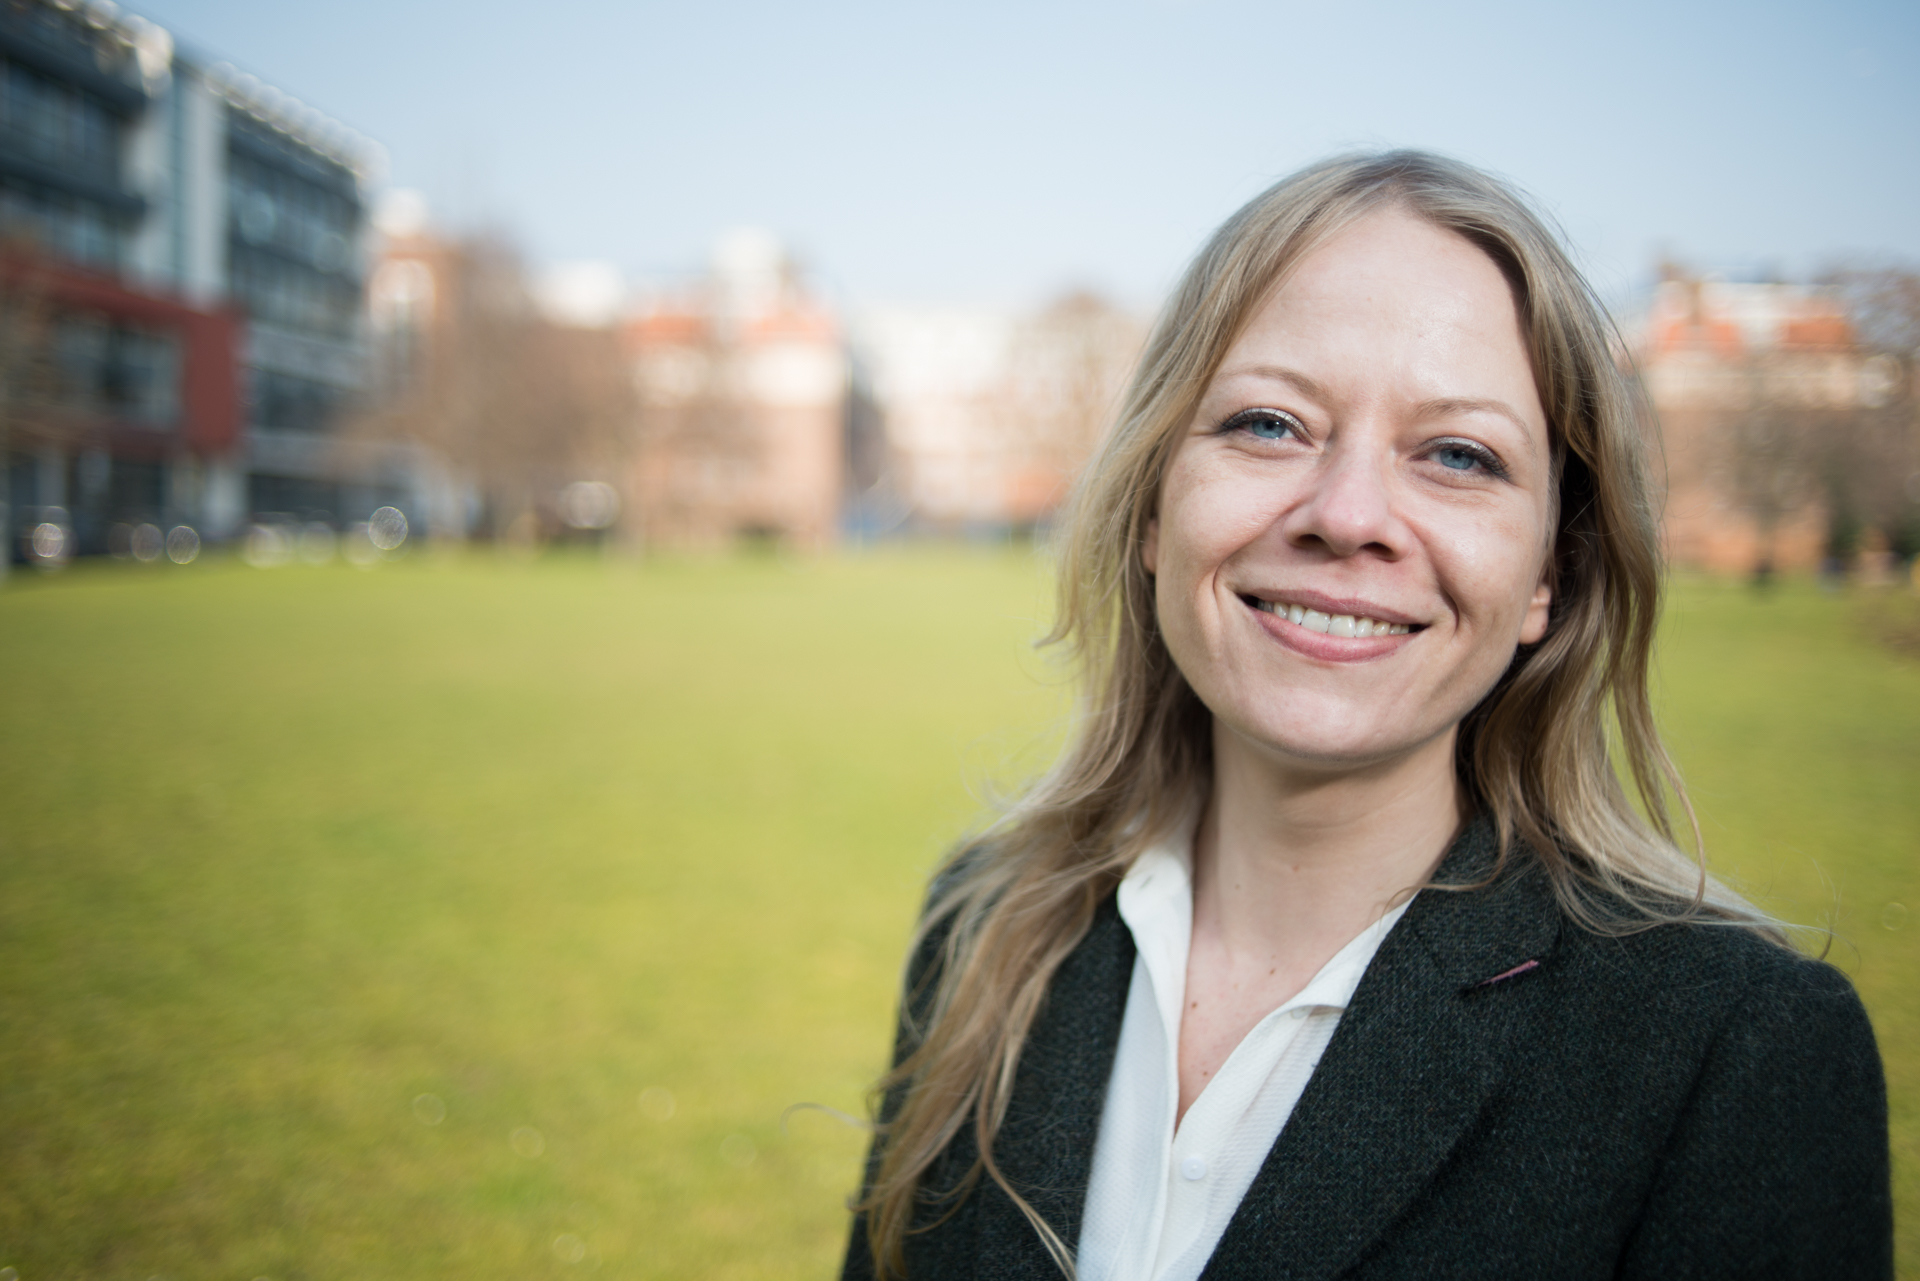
[(1535, 754)]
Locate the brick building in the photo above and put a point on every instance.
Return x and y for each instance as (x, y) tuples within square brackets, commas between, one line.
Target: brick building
[(744, 383)]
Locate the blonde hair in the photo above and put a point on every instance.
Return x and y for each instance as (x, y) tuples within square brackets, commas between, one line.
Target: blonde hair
[(1535, 754)]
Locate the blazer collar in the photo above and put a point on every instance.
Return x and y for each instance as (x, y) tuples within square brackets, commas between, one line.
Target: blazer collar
[(1496, 917), (1414, 1060), (1045, 1147)]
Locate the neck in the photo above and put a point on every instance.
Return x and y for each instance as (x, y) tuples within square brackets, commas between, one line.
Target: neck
[(1295, 861)]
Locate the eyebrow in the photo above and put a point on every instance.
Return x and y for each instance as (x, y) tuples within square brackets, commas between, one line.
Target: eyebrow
[(1476, 405), (1439, 408), (1279, 373)]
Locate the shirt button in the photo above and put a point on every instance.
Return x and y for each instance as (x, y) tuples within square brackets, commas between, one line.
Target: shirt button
[(1193, 1169)]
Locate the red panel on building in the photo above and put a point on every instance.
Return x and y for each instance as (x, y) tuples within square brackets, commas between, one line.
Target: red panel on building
[(210, 371)]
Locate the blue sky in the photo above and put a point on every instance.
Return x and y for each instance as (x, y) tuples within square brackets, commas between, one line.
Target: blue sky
[(994, 152)]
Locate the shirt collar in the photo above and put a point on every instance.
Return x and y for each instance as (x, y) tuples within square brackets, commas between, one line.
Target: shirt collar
[(1156, 902)]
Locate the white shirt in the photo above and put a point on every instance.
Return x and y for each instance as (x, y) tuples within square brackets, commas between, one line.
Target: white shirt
[(1160, 1198)]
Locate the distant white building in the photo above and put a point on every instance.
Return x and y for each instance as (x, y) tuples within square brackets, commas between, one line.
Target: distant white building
[(939, 376), (989, 414)]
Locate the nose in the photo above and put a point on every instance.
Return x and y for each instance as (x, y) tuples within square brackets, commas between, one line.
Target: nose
[(1350, 508)]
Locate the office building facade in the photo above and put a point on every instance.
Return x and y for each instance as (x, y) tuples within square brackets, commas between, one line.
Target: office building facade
[(182, 269)]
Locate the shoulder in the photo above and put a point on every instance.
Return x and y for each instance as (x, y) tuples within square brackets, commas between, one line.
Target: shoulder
[(1760, 1064), (1678, 991), (1713, 971), (963, 890), (1717, 1023), (1700, 971), (1761, 1011), (934, 928)]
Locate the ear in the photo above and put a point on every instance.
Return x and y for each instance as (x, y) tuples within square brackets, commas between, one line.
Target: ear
[(1533, 629), (1150, 549)]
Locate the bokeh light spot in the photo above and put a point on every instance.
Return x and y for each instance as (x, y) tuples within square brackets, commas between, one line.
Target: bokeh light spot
[(429, 1108), (387, 528), (589, 504), (527, 1141), (657, 1103), (183, 544), (737, 1150), (48, 541)]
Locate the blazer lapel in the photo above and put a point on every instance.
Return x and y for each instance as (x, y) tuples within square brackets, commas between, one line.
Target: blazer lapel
[(1046, 1144), (1414, 1060)]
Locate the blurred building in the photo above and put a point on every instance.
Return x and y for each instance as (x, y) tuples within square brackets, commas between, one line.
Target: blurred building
[(939, 376), (1744, 378), (414, 280), (989, 414), (745, 405), (182, 272)]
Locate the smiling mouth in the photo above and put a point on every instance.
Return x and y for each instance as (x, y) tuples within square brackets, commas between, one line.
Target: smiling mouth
[(1354, 625)]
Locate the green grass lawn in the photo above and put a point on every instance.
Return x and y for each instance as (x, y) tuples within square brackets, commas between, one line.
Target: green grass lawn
[(469, 918)]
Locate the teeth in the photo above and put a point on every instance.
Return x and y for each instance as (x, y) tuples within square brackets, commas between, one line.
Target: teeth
[(1354, 625)]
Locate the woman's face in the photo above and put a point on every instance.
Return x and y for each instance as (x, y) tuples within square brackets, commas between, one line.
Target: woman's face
[(1353, 535)]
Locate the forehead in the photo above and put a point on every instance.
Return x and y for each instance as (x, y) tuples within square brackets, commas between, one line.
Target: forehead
[(1393, 306)]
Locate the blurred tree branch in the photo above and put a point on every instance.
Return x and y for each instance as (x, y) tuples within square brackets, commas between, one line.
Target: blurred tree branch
[(1872, 470), (516, 405)]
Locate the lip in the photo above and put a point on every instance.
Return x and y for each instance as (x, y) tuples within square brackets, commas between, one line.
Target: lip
[(1331, 605), (1332, 649)]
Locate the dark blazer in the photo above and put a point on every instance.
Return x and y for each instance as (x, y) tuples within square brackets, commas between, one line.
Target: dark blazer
[(1508, 1095)]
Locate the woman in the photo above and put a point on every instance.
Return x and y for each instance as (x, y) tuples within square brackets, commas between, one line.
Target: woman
[(1333, 945)]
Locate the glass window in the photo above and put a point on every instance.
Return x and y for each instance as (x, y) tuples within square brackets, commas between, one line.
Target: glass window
[(106, 369), (58, 123), (283, 402), (143, 377)]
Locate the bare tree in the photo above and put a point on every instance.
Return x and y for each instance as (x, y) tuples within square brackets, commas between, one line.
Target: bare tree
[(1833, 419), (515, 404), (1883, 301), (1068, 371), (1772, 445), (1874, 473)]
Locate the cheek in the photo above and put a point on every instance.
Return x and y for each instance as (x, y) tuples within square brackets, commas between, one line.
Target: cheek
[(1491, 566), (1208, 513)]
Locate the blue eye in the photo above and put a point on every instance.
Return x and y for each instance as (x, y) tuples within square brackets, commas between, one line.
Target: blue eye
[(1264, 424), (1456, 459)]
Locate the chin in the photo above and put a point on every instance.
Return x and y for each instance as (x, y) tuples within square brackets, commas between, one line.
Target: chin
[(1326, 744)]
